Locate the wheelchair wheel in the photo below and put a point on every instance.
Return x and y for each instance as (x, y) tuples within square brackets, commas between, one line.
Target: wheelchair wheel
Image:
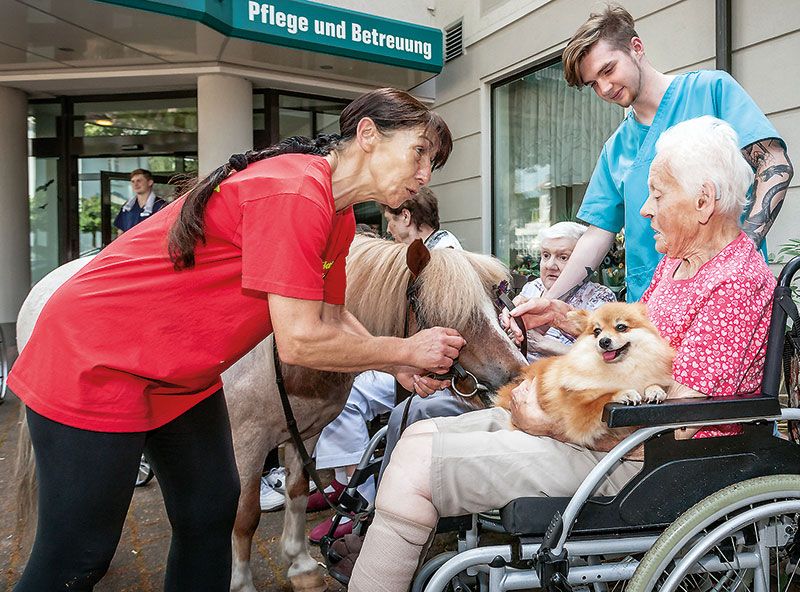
[(741, 538), (145, 473)]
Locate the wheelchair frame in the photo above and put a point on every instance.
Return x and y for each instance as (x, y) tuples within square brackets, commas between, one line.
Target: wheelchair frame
[(741, 487)]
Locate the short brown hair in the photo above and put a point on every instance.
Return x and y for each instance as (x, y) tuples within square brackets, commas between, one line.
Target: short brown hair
[(147, 174), (423, 207), (614, 24)]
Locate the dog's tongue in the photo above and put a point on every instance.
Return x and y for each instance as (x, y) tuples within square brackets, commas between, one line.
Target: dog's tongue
[(609, 355)]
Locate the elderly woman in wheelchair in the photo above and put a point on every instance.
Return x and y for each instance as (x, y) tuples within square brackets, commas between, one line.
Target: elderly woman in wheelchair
[(710, 298)]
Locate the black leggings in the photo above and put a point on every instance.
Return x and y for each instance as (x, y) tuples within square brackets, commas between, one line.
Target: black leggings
[(86, 482)]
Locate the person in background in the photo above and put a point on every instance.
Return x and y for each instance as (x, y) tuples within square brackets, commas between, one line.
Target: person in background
[(607, 55), (557, 243), (418, 218), (142, 205), (344, 440)]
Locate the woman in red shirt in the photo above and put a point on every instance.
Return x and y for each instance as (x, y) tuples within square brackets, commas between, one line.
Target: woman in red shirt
[(144, 331)]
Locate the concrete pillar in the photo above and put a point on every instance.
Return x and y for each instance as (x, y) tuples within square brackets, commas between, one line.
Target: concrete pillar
[(224, 119), (15, 256)]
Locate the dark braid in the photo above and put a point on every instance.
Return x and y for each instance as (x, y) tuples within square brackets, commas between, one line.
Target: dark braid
[(188, 229), (389, 109)]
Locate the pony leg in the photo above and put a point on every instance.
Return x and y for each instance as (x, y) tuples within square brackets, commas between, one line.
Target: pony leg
[(304, 574), (250, 462)]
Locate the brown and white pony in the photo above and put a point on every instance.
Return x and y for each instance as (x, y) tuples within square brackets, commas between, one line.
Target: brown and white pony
[(455, 290)]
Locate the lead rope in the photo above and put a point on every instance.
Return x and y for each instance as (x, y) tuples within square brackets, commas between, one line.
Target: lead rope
[(291, 424)]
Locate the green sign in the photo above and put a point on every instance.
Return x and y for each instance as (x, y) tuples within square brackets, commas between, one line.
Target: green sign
[(310, 26)]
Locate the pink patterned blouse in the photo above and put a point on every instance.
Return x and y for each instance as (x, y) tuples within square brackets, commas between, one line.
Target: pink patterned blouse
[(717, 321)]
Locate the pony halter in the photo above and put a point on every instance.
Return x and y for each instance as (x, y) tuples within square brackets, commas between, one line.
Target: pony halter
[(457, 371)]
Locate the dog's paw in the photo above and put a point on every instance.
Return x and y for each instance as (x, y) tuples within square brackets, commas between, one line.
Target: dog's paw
[(630, 397), (654, 394)]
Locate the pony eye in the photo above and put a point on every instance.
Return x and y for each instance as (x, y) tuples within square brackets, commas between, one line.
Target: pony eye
[(597, 331), (621, 327)]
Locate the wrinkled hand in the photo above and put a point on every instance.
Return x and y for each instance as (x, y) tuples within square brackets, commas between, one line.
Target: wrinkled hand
[(434, 349), (412, 380), (526, 413)]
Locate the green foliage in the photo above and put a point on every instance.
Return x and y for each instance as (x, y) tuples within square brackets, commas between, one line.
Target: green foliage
[(786, 253)]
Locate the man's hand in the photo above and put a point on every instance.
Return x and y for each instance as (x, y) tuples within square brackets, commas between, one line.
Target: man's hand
[(435, 349), (539, 313)]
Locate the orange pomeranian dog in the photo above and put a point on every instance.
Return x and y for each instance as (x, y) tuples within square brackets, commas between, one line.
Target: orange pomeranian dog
[(618, 357)]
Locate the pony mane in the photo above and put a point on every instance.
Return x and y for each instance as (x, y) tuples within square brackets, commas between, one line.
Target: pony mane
[(454, 287)]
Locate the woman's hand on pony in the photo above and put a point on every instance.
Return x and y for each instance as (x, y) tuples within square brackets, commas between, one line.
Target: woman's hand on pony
[(434, 349)]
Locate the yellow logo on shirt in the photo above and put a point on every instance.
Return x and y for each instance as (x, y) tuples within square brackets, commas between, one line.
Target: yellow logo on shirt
[(326, 267)]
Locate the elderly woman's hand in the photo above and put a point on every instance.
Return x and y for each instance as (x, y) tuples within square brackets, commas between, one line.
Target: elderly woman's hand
[(526, 414)]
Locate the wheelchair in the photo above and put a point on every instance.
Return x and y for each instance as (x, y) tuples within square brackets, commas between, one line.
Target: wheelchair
[(707, 514)]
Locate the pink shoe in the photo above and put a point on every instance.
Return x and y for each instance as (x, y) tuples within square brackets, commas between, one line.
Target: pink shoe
[(317, 502), (319, 531)]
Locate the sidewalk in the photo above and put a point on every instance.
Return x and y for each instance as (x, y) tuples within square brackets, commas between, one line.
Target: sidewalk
[(138, 565)]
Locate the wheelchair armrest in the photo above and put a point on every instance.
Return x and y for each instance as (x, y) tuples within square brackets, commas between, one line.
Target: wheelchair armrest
[(681, 411)]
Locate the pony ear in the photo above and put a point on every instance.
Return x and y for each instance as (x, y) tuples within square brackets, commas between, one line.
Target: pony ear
[(417, 257)]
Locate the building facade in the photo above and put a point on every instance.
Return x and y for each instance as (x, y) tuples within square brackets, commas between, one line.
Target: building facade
[(90, 90)]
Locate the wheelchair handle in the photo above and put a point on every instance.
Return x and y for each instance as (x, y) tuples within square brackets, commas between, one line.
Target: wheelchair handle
[(782, 300)]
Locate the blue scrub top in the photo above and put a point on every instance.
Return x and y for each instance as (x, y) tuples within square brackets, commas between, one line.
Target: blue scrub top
[(618, 187), (127, 220)]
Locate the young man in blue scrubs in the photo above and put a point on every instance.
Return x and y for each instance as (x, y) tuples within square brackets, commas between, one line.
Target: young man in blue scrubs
[(142, 205), (607, 55)]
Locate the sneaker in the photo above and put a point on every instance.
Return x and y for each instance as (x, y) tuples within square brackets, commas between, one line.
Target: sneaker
[(273, 489), (319, 531), (333, 491)]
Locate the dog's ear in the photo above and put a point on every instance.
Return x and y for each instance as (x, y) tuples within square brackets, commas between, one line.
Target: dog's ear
[(579, 318), (641, 308), (417, 257)]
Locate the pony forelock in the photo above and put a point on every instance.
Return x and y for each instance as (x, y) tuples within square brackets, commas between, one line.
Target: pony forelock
[(453, 282)]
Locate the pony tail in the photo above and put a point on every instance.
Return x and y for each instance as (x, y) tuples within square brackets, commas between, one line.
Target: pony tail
[(189, 226)]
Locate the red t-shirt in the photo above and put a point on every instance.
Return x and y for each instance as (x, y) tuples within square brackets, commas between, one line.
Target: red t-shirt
[(128, 344), (717, 321)]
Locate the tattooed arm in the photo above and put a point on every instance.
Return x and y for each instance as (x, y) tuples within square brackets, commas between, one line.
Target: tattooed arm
[(773, 172), (589, 251)]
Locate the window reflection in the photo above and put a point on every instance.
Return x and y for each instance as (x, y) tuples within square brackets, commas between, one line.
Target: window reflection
[(546, 140)]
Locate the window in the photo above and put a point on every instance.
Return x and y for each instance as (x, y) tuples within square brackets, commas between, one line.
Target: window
[(546, 140)]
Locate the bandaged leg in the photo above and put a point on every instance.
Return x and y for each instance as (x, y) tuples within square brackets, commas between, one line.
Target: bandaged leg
[(390, 555)]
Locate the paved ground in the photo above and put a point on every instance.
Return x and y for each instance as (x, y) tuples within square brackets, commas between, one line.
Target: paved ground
[(139, 562)]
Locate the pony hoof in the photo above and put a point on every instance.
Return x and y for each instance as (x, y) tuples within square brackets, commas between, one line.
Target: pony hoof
[(308, 582)]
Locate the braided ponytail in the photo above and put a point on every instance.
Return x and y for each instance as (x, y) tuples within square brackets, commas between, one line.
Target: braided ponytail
[(188, 229)]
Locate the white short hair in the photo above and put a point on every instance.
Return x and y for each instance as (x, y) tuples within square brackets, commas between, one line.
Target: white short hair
[(707, 149), (558, 230)]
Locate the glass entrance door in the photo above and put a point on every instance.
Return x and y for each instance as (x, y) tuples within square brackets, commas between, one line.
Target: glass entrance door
[(115, 191), (104, 187)]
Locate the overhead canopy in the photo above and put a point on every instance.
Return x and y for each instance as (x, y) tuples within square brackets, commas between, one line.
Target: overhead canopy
[(96, 46), (311, 26)]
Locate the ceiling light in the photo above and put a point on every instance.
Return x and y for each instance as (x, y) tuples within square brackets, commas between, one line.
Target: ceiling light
[(103, 122)]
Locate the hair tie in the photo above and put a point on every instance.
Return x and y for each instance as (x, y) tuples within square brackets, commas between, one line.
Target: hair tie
[(238, 162)]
